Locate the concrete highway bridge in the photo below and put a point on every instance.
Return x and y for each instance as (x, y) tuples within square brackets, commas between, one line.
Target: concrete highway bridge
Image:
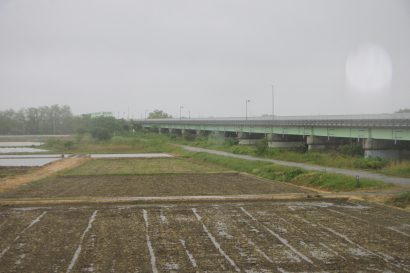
[(386, 135)]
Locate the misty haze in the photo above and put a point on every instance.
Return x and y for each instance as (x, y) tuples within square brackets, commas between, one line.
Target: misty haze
[(204, 136)]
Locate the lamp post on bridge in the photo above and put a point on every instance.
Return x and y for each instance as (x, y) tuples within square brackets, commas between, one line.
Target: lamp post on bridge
[(273, 104), (180, 112), (246, 107)]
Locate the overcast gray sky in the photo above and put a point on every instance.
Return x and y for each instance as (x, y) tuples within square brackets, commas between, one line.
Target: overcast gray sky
[(209, 56)]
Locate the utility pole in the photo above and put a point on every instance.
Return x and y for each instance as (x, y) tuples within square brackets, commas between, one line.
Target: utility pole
[(246, 107)]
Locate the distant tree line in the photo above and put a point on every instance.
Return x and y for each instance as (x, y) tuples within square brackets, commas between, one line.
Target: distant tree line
[(57, 120), (405, 110), (53, 119), (157, 114)]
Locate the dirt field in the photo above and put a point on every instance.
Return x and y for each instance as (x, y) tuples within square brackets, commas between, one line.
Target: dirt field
[(331, 236), (150, 185), (6, 172), (142, 166), (11, 183)]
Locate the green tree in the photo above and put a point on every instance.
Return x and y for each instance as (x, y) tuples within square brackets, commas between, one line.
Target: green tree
[(405, 110), (157, 114)]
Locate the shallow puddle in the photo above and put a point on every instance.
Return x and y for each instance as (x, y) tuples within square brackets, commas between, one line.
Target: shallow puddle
[(21, 150), (20, 144), (148, 155)]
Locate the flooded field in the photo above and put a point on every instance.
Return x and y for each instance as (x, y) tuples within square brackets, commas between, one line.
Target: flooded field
[(27, 160), (20, 144), (293, 236), (15, 150), (143, 155), (20, 147)]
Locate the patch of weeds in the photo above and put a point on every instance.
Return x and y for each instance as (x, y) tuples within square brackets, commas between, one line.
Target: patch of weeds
[(326, 181), (370, 163), (402, 201)]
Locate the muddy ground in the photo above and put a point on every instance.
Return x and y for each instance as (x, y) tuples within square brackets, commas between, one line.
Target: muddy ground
[(6, 171), (293, 236), (150, 185)]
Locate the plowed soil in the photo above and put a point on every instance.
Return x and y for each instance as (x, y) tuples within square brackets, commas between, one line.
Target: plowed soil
[(150, 185), (303, 236)]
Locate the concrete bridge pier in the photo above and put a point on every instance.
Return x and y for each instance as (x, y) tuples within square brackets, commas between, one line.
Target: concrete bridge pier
[(319, 143), (188, 133), (163, 130), (316, 143), (202, 133), (249, 138), (386, 149), (285, 141), (174, 131)]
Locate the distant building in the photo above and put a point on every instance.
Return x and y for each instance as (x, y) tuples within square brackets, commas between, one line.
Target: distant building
[(101, 114)]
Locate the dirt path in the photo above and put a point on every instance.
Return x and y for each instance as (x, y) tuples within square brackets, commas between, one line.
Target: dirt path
[(47, 170), (362, 174)]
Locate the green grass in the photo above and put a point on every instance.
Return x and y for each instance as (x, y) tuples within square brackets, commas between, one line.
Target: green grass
[(13, 171), (325, 181), (142, 166), (401, 169), (336, 182), (138, 143), (402, 201), (325, 158)]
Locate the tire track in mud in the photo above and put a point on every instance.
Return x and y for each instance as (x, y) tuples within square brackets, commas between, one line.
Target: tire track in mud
[(320, 221), (149, 245), (197, 243), (223, 224), (391, 228), (166, 239), (320, 253), (215, 242), (78, 250), (35, 221), (380, 215), (189, 255), (280, 238), (116, 243)]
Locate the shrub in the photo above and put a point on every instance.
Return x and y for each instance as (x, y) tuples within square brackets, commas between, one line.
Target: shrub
[(231, 141), (261, 146), (68, 145), (291, 173), (403, 200), (100, 133), (353, 149), (370, 163)]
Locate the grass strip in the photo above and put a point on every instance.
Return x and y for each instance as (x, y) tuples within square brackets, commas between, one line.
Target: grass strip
[(319, 180)]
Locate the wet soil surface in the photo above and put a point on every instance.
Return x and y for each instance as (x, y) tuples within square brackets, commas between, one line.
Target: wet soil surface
[(292, 236), (14, 171), (150, 185)]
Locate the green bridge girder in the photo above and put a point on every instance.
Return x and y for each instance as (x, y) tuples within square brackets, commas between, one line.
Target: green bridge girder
[(396, 134)]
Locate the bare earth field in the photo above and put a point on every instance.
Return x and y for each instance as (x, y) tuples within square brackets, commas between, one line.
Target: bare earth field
[(6, 172), (142, 166), (150, 185), (293, 236)]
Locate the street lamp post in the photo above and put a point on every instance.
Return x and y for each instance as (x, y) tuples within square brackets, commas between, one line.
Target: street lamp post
[(273, 103), (246, 106), (180, 112)]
